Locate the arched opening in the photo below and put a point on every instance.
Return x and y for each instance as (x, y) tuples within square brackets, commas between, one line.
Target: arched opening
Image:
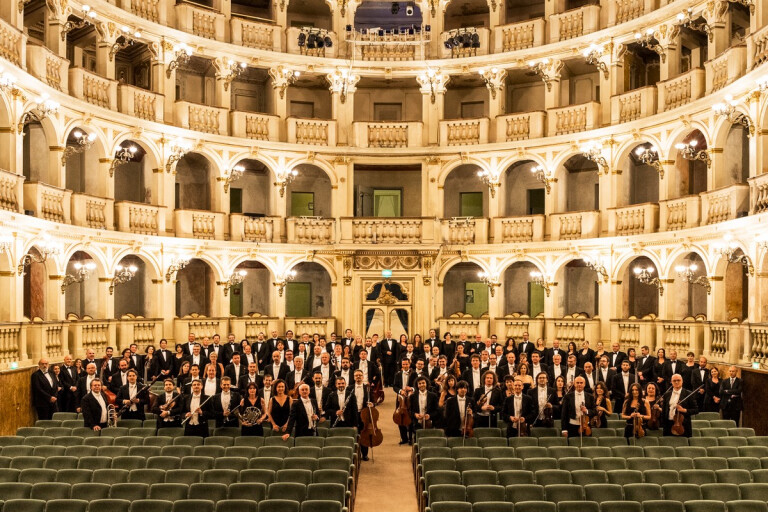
[(250, 195), (578, 185), (639, 300), (309, 293), (464, 195), (81, 295), (309, 13), (736, 290), (254, 293), (520, 294), (691, 174), (464, 292), (689, 299), (133, 63), (387, 16), (466, 97), (36, 161), (309, 194), (135, 296), (133, 177), (523, 10), (35, 286), (193, 183), (735, 167), (640, 178), (523, 193), (81, 160), (580, 290), (195, 289)]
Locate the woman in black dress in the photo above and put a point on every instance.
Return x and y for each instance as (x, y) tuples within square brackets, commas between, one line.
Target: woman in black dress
[(660, 370), (183, 376), (448, 347), (461, 358), (279, 407), (602, 405), (253, 400), (557, 399), (572, 349), (652, 405), (634, 406), (178, 359), (585, 355), (712, 391)]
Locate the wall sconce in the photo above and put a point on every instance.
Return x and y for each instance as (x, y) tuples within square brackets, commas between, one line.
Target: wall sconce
[(541, 68), (177, 263), (122, 156), (689, 152), (45, 248), (727, 249), (649, 155), (491, 280), (44, 107), (122, 276), (594, 263), (645, 276), (342, 81), (432, 81), (82, 272), (84, 142), (179, 148), (282, 279), (284, 178), (542, 175), (8, 83), (282, 78), (688, 274), (593, 151), (728, 110), (685, 19), (539, 279), (235, 278), (231, 175), (494, 79), (181, 55), (490, 180), (88, 15), (762, 84), (231, 71), (592, 56), (647, 40), (126, 39), (5, 245)]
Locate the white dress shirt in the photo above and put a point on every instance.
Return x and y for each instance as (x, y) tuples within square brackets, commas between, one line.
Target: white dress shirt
[(194, 404), (132, 394), (674, 398), (359, 395), (422, 402), (210, 387), (309, 410), (100, 399), (578, 401)]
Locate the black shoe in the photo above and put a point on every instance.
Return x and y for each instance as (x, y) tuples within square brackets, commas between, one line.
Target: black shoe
[(365, 457), (402, 442), (410, 442)]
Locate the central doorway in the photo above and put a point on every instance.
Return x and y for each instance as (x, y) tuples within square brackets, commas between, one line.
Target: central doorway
[(387, 307)]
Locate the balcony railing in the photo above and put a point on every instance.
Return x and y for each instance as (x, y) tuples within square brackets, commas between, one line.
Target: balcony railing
[(254, 34), (201, 325), (757, 47), (633, 220), (528, 125), (387, 135), (680, 213), (318, 132), (723, 342), (464, 323), (758, 194), (387, 230), (93, 88), (94, 335), (141, 331), (11, 43), (506, 230), (634, 333), (94, 212), (621, 11), (513, 326), (46, 339), (464, 231), (140, 103), (376, 45), (12, 342), (151, 10), (47, 202), (199, 224), (518, 36), (140, 218), (10, 190), (724, 204), (460, 132), (200, 21), (682, 336), (573, 225), (321, 326), (681, 90), (249, 327), (574, 118), (757, 348), (633, 105), (48, 67), (201, 118), (574, 23), (254, 229), (251, 125), (726, 67), (573, 329), (310, 230)]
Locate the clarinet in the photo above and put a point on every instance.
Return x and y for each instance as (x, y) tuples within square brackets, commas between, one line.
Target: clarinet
[(343, 409)]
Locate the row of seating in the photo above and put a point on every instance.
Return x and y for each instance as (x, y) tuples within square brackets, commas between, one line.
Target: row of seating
[(343, 448), (608, 506), (152, 505), (147, 430)]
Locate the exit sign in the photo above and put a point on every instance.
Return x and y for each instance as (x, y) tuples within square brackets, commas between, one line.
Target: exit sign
[(755, 365)]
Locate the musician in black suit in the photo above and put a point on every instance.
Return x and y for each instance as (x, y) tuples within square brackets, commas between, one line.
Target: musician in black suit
[(68, 382), (225, 403), (488, 400), (168, 417), (731, 403), (271, 342), (120, 377), (402, 386), (340, 407), (136, 358), (228, 350), (276, 369), (84, 384), (550, 352), (319, 393), (576, 404), (197, 410), (95, 408), (235, 370), (44, 390), (621, 383), (197, 357), (250, 376), (525, 347), (672, 404), (474, 374), (131, 403), (556, 369), (456, 409), (304, 415), (369, 368), (422, 404), (645, 366), (162, 360), (388, 350), (298, 375), (518, 410), (189, 345), (615, 357), (699, 376), (604, 372)]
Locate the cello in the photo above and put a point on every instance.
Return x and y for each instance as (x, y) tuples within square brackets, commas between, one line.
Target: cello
[(370, 435), (377, 390), (678, 429), (402, 416)]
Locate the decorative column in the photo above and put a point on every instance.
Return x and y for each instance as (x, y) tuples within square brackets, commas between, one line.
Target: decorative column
[(431, 191), (278, 99), (497, 17), (342, 202), (609, 63), (225, 72), (549, 71), (433, 13), (432, 90), (668, 37), (105, 58), (54, 23), (343, 86), (280, 14), (494, 81), (719, 20)]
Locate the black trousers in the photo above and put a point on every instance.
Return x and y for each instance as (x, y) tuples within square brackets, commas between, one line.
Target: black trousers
[(486, 421), (46, 412), (200, 430), (734, 415), (573, 430), (132, 415)]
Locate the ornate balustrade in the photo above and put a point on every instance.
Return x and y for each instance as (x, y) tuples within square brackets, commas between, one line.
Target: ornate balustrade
[(681, 90), (573, 225), (318, 132), (252, 125), (152, 10), (513, 326), (249, 327), (634, 333), (573, 329), (141, 103), (48, 67), (255, 229), (140, 218), (460, 132), (321, 326), (756, 344), (12, 44), (723, 342), (635, 104), (387, 135), (46, 339), (200, 21), (13, 345), (757, 48), (89, 334), (527, 125), (310, 230), (93, 212), (255, 34), (518, 229), (201, 326), (758, 194), (724, 204), (141, 331), (518, 36), (725, 68), (11, 187), (458, 323), (622, 11), (375, 45), (573, 118), (464, 231), (683, 336), (93, 88), (574, 23), (361, 230), (200, 224), (680, 213), (47, 202), (201, 118), (633, 220)]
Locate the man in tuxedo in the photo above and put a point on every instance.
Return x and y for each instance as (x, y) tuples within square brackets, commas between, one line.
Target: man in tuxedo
[(296, 376), (604, 372), (224, 404), (84, 384), (576, 404), (672, 405), (271, 342), (136, 358), (189, 345), (348, 339), (262, 349), (526, 347), (68, 382), (340, 412), (94, 407), (590, 378), (345, 370), (433, 340), (215, 347), (456, 409), (251, 376), (168, 416), (319, 393), (536, 365), (290, 343), (130, 399), (197, 410), (730, 396), (616, 357), (303, 417), (488, 399), (163, 358), (401, 384), (235, 370), (699, 376), (368, 368), (266, 391), (90, 357), (621, 383), (107, 366), (677, 366), (508, 367), (389, 358), (518, 411), (474, 374), (247, 357), (572, 370), (422, 404), (44, 386), (198, 357), (469, 347), (228, 350), (541, 397), (645, 367), (556, 369), (120, 378)]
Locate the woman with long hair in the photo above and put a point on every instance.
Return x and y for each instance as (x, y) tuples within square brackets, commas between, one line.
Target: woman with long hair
[(418, 346), (524, 375), (149, 371), (279, 407), (652, 398), (177, 360), (183, 376), (712, 391), (599, 351), (213, 360), (634, 406), (660, 370), (252, 399), (585, 355), (557, 399), (602, 404), (448, 389)]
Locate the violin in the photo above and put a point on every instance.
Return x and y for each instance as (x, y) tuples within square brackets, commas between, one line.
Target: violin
[(467, 429), (377, 391), (637, 426), (370, 435), (678, 429), (584, 428), (548, 419), (402, 416), (596, 420), (654, 422)]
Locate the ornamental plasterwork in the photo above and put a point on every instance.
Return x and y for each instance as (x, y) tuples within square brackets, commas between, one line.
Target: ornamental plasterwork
[(403, 262)]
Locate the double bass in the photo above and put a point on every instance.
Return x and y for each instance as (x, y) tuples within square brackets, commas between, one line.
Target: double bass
[(370, 435), (637, 426), (377, 390)]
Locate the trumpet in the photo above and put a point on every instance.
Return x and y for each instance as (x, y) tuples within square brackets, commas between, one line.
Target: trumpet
[(112, 415)]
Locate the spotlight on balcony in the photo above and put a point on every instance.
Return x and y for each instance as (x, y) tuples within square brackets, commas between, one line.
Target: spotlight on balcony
[(395, 8), (409, 9)]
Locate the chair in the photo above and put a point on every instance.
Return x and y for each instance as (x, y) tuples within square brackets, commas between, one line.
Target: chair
[(198, 505), (144, 451), (644, 463), (574, 463), (183, 476), (37, 475), (130, 492), (250, 441), (663, 506), (674, 442), (706, 442), (151, 505), (480, 493), (595, 452), (620, 506), (560, 452), (526, 452), (755, 491), (256, 491), (209, 451), (588, 476), (551, 442), (515, 477), (642, 492), (611, 441), (733, 476), (127, 441), (451, 506), (27, 462), (627, 451), (681, 492), (518, 442), (539, 463), (9, 475), (49, 491), (90, 491), (624, 476), (704, 506), (276, 463), (264, 476), (697, 476), (472, 463), (128, 462), (273, 451), (205, 491), (177, 451), (107, 505), (94, 463), (736, 441), (524, 492), (230, 505), (563, 492), (66, 505), (676, 463), (164, 463), (478, 477), (146, 476), (691, 452), (24, 505), (578, 506), (294, 475), (170, 492), (59, 462), (552, 476), (713, 463), (110, 476), (720, 492), (196, 462), (321, 506), (186, 441), (603, 492), (722, 451), (760, 476), (746, 506), (493, 506), (297, 491), (535, 506), (74, 476), (747, 463), (659, 452), (660, 476), (609, 463), (499, 452), (506, 464), (220, 476)]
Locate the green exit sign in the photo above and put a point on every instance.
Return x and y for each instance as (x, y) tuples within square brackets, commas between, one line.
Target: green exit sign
[(755, 365)]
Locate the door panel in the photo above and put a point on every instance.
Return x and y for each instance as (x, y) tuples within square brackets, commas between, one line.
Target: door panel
[(475, 299), (535, 300), (536, 201), (471, 204), (298, 298), (235, 200), (236, 300), (302, 204), (387, 202)]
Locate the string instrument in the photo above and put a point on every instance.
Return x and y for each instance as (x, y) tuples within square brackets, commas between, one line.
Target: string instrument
[(425, 423), (584, 428), (402, 416), (110, 395), (655, 421), (637, 426), (167, 406), (294, 392), (678, 428), (377, 391), (522, 429), (546, 415), (596, 420), (370, 435), (467, 429), (135, 400)]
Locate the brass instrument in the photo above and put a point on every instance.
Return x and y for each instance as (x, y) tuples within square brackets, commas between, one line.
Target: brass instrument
[(112, 415), (250, 416)]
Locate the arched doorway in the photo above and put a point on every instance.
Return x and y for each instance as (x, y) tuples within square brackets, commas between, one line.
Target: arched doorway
[(387, 306), (464, 195), (464, 292), (578, 185), (252, 296), (195, 289), (639, 300), (81, 286), (523, 193), (309, 194), (309, 293), (580, 290), (252, 193), (193, 183), (135, 296), (688, 298), (520, 294)]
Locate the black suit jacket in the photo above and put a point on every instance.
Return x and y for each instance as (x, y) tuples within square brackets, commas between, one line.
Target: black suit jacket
[(569, 407), (202, 361), (534, 394), (608, 378), (42, 391), (235, 376), (332, 406), (646, 368), (226, 352), (452, 417), (277, 373), (431, 407), (207, 408), (528, 410), (124, 394), (262, 352), (550, 353), (526, 348), (175, 408), (696, 379), (618, 391), (470, 378), (91, 410), (290, 378), (161, 364), (373, 371), (245, 380), (730, 396), (116, 383), (218, 409), (82, 389), (690, 405), (551, 373), (298, 419), (615, 362)]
